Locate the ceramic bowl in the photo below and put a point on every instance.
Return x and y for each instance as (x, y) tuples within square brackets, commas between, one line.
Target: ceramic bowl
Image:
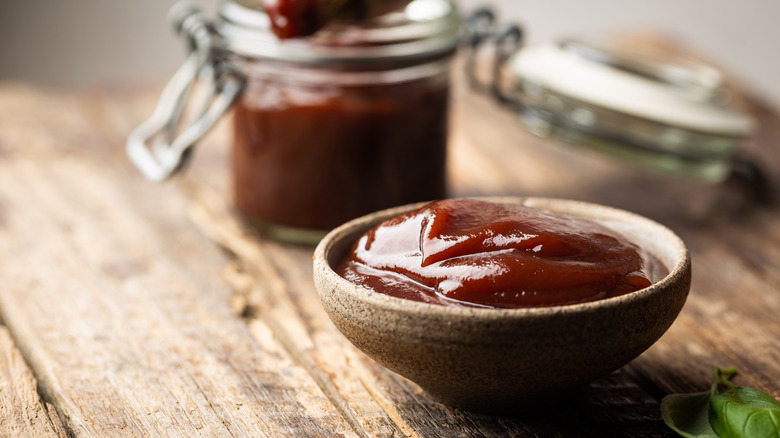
[(506, 360)]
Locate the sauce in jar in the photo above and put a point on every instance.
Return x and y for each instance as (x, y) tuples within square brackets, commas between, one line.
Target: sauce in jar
[(350, 120), (477, 253), (313, 156)]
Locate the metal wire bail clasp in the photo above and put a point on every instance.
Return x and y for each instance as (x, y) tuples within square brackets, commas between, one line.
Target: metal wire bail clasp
[(154, 146)]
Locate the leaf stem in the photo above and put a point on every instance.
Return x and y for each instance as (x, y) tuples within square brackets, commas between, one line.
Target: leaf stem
[(723, 377)]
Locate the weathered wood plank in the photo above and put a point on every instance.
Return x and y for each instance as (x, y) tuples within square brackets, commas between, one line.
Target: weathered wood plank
[(117, 301), (297, 319), (266, 281), (22, 412)]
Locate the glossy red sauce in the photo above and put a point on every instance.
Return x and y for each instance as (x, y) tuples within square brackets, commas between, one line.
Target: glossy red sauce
[(478, 253)]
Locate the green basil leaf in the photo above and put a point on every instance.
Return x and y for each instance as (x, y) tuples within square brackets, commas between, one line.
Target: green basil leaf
[(688, 414), (733, 413), (745, 413)]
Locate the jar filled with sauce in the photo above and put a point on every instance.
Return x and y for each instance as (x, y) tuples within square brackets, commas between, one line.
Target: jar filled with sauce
[(326, 127)]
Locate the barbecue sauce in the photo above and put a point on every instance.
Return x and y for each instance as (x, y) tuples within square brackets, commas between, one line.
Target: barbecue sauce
[(314, 157), (484, 254)]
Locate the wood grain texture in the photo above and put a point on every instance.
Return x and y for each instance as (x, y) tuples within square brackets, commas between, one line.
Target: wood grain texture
[(22, 412), (116, 300)]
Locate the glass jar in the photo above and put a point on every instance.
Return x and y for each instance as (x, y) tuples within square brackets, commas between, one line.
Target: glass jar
[(333, 126), (631, 100), (635, 99)]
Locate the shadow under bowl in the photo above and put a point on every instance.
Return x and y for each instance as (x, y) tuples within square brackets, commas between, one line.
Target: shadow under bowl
[(506, 360)]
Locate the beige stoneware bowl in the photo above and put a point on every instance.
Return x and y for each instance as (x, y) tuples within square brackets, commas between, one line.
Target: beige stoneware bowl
[(506, 360)]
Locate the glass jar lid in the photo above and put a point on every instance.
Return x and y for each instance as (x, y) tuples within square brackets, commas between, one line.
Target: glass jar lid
[(629, 98), (635, 79), (424, 28)]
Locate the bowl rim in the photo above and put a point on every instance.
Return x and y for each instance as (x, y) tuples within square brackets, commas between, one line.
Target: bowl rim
[(678, 273)]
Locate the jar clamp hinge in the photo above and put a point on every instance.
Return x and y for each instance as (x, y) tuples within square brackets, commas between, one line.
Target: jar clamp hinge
[(160, 147), (481, 28)]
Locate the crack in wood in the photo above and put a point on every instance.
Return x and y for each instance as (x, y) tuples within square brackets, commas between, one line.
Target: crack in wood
[(248, 263), (382, 401), (21, 394)]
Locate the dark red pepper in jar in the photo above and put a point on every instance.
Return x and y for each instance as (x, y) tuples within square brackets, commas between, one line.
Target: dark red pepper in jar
[(297, 18), (301, 18)]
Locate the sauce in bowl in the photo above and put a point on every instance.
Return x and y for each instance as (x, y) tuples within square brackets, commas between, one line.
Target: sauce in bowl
[(476, 253)]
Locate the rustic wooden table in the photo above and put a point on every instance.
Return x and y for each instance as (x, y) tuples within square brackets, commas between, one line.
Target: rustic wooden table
[(131, 308)]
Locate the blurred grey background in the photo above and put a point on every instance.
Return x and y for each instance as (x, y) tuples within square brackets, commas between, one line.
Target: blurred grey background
[(109, 43)]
